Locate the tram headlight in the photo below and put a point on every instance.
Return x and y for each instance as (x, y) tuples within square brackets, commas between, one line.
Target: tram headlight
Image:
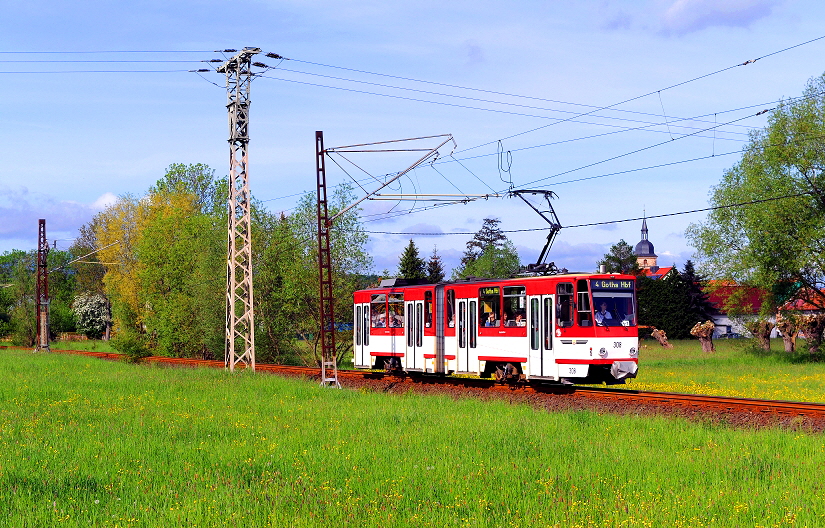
[(633, 352), (603, 352)]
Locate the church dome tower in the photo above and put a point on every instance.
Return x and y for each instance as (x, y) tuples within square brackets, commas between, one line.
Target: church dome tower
[(645, 255)]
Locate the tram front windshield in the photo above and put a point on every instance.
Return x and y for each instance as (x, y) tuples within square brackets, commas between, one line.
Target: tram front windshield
[(614, 302)]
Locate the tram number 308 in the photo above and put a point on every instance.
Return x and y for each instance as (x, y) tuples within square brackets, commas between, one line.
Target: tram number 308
[(571, 370), (617, 344)]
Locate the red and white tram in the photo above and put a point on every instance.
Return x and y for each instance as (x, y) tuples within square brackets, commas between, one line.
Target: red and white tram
[(567, 327)]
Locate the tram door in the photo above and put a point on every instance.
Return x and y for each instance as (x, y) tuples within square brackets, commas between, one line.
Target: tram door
[(541, 330), (362, 335), (415, 335), (463, 354)]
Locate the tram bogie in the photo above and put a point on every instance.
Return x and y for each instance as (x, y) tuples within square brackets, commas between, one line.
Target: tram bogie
[(572, 327)]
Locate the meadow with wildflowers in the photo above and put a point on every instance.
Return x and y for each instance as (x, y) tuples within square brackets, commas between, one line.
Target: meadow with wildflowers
[(737, 369), (85, 442)]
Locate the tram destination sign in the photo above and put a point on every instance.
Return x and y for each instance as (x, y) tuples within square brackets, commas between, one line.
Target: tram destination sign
[(612, 284)]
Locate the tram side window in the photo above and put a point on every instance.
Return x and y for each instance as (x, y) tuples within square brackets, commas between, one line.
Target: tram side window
[(378, 307), (515, 305), (428, 309), (473, 330), (535, 326), (357, 325), (396, 311), (451, 308), (564, 311), (489, 306), (548, 324), (583, 304)]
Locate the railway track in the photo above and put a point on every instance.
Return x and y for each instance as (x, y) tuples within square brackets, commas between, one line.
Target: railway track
[(744, 410)]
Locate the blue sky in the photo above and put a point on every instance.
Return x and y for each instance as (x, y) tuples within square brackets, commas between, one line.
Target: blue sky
[(73, 141)]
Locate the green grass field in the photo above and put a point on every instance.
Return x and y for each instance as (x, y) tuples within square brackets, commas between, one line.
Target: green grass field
[(85, 442), (736, 369)]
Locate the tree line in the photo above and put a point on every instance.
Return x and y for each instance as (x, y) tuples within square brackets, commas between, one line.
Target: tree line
[(153, 272)]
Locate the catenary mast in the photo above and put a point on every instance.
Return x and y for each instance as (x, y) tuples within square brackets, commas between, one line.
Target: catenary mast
[(240, 323)]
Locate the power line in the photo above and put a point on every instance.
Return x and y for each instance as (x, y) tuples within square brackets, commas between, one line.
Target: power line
[(591, 224), (94, 61), (494, 110), (492, 101), (96, 71), (101, 51), (652, 92), (762, 147)]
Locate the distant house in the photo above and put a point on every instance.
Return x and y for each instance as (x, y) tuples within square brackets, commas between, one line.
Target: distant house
[(748, 303)]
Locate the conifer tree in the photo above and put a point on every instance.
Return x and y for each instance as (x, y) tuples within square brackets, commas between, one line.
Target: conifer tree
[(489, 236), (435, 268), (699, 305), (411, 266)]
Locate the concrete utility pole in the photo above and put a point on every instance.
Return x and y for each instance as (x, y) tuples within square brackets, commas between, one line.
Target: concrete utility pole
[(240, 323), (42, 290)]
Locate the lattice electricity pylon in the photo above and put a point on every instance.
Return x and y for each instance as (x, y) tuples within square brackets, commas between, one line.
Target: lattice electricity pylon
[(549, 216), (42, 289), (240, 321)]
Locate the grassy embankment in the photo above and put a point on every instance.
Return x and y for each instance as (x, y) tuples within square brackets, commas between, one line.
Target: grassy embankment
[(736, 369), (85, 442)]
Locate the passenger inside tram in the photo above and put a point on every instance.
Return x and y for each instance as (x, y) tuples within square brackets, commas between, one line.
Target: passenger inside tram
[(614, 310)]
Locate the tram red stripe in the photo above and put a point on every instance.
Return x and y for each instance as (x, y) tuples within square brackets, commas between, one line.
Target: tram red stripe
[(387, 354), (500, 358), (432, 356), (593, 361)]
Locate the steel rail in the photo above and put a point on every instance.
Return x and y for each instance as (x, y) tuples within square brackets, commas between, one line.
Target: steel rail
[(665, 399)]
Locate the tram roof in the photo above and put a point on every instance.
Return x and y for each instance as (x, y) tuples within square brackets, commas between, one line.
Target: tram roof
[(397, 283)]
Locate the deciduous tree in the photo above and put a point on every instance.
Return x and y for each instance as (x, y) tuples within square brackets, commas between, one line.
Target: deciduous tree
[(620, 259), (776, 245)]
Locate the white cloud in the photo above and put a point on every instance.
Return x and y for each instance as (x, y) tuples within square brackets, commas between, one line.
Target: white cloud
[(687, 16), (104, 201), (20, 210)]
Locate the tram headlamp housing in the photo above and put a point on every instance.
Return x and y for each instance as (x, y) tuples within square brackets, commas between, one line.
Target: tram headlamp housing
[(603, 352), (633, 352)]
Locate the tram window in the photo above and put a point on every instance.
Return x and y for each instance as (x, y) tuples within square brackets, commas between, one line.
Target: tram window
[(515, 304), (564, 312), (378, 305), (489, 306), (462, 335), (358, 325), (428, 309), (583, 304), (451, 308), (395, 315), (548, 324), (410, 336), (473, 331), (419, 328), (366, 325), (534, 324), (614, 308)]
